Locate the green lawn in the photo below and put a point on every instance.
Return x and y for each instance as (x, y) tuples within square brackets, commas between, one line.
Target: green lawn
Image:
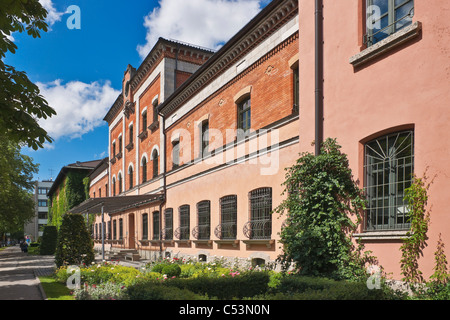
[(55, 290)]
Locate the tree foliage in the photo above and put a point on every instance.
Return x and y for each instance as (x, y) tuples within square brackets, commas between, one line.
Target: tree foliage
[(74, 245), (323, 208), (49, 237), (16, 185), (21, 104)]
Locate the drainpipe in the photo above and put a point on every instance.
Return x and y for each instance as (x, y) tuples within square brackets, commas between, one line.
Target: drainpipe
[(164, 179), (318, 75)]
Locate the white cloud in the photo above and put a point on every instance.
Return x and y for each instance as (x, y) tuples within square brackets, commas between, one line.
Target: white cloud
[(52, 14), (80, 106), (207, 23)]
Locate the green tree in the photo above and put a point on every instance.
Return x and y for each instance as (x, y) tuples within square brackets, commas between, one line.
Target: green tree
[(16, 185), (49, 237), (21, 104), (74, 245), (323, 208)]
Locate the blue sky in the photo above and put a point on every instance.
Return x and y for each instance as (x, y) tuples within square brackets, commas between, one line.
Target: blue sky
[(79, 71)]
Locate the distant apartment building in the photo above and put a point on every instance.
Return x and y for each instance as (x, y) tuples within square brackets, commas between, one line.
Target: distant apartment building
[(34, 228)]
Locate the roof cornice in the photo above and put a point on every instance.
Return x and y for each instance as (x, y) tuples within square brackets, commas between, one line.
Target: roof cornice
[(257, 30)]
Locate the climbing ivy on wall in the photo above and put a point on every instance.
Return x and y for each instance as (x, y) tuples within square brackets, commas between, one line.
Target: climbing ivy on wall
[(71, 193)]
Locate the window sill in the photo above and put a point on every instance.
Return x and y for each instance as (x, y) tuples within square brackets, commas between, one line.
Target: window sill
[(382, 235), (387, 44), (267, 242)]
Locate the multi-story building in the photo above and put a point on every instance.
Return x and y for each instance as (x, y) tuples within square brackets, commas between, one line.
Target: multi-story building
[(200, 140), (382, 72), (33, 229), (198, 145)]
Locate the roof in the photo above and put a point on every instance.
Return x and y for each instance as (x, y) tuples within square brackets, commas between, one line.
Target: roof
[(102, 166), (152, 59), (87, 165), (113, 205), (275, 14)]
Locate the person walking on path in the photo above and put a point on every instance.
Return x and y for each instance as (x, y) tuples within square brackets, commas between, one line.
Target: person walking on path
[(18, 274)]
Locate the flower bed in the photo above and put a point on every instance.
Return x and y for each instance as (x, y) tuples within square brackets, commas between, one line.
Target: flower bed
[(174, 279)]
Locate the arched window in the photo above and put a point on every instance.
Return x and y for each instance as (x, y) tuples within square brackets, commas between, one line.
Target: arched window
[(144, 169), (155, 162), (260, 224), (119, 178), (389, 168), (130, 176), (114, 186)]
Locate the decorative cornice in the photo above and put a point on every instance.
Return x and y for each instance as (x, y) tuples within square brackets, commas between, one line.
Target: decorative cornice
[(256, 31)]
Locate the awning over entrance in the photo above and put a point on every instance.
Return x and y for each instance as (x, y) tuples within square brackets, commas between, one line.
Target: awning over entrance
[(113, 205)]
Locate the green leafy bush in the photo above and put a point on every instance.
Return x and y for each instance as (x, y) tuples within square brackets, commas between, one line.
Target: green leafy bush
[(48, 242), (151, 290), (74, 245), (227, 287), (171, 270)]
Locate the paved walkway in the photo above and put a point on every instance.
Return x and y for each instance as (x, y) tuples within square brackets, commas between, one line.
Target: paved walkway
[(19, 272)]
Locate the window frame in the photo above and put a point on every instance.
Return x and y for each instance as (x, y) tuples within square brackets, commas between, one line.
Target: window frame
[(244, 107), (384, 209), (392, 22)]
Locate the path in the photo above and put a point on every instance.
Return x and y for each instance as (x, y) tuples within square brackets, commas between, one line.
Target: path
[(18, 274)]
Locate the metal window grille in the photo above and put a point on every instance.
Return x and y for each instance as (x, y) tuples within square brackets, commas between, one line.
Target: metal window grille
[(227, 229), (168, 226), (182, 232), (394, 15), (120, 229), (145, 227), (389, 168), (260, 224), (114, 229), (203, 229), (156, 225)]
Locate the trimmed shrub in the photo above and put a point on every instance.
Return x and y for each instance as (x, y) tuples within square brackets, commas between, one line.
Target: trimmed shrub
[(74, 245), (151, 290), (171, 270), (227, 287), (49, 238)]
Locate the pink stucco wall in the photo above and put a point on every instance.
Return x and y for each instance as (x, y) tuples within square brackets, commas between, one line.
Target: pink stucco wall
[(406, 87)]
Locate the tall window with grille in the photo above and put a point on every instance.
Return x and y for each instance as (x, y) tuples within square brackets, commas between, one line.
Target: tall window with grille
[(260, 224), (385, 17), (114, 229), (203, 229), (168, 224), (389, 168), (228, 218), (145, 226), (184, 229), (156, 225)]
